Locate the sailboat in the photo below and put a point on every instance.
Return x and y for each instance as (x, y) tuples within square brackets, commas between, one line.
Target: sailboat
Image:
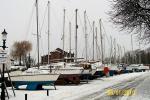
[(34, 78), (90, 69), (69, 72), (98, 64)]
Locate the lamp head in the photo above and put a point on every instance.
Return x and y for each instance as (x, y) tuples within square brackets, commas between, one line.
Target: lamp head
[(4, 35)]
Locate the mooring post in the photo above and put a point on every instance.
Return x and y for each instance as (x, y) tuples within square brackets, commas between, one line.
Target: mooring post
[(87, 78), (54, 86), (47, 93), (25, 96)]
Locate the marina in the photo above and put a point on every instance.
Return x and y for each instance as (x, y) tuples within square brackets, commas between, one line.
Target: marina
[(74, 50)]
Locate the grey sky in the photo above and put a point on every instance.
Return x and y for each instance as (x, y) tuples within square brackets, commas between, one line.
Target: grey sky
[(15, 17)]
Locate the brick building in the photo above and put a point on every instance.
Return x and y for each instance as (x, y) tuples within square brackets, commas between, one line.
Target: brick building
[(57, 55)]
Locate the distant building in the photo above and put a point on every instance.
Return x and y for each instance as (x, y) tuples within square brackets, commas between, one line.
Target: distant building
[(57, 55)]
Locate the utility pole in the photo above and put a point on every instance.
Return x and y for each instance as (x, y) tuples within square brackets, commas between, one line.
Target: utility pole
[(76, 30), (64, 32), (48, 30), (37, 19), (85, 36)]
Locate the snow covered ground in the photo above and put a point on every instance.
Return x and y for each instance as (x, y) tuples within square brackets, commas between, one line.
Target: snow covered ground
[(143, 90), (76, 92)]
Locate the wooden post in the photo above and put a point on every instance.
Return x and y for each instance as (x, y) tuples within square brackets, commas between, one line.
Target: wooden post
[(25, 96), (47, 93)]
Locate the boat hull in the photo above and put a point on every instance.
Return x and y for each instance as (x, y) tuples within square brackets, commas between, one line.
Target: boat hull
[(68, 71), (93, 71), (68, 78), (67, 75), (35, 77), (34, 82), (37, 85)]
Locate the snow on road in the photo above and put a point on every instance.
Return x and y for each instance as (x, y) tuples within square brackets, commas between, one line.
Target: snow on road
[(130, 85), (142, 90), (76, 92)]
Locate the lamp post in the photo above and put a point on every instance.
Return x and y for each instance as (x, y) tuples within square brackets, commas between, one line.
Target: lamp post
[(4, 37)]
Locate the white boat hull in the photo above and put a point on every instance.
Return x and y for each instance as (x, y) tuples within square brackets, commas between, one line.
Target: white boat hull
[(35, 77)]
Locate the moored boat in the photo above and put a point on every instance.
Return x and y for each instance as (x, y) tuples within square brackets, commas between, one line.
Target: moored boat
[(33, 79), (69, 72)]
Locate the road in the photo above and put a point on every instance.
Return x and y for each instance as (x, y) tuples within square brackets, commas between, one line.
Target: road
[(129, 84)]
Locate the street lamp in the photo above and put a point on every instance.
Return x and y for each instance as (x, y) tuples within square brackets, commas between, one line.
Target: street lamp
[(4, 37)]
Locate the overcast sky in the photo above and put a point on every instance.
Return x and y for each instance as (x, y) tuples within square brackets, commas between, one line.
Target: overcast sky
[(18, 18)]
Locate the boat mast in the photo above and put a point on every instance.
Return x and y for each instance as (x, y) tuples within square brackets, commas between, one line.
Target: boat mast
[(132, 49), (85, 35), (76, 29), (140, 52), (101, 37), (37, 19), (114, 51), (121, 53), (64, 32), (93, 37), (125, 61), (96, 42), (118, 53), (48, 30), (70, 39), (111, 46)]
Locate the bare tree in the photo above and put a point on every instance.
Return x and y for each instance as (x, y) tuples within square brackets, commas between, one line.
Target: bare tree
[(133, 15), (20, 50)]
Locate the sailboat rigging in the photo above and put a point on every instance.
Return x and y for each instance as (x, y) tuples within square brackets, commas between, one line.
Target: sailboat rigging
[(29, 77)]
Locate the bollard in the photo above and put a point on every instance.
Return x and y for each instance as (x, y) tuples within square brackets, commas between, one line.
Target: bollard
[(25, 96), (47, 93)]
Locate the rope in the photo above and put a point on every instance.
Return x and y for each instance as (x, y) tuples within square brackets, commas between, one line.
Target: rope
[(43, 21), (42, 48), (30, 20)]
